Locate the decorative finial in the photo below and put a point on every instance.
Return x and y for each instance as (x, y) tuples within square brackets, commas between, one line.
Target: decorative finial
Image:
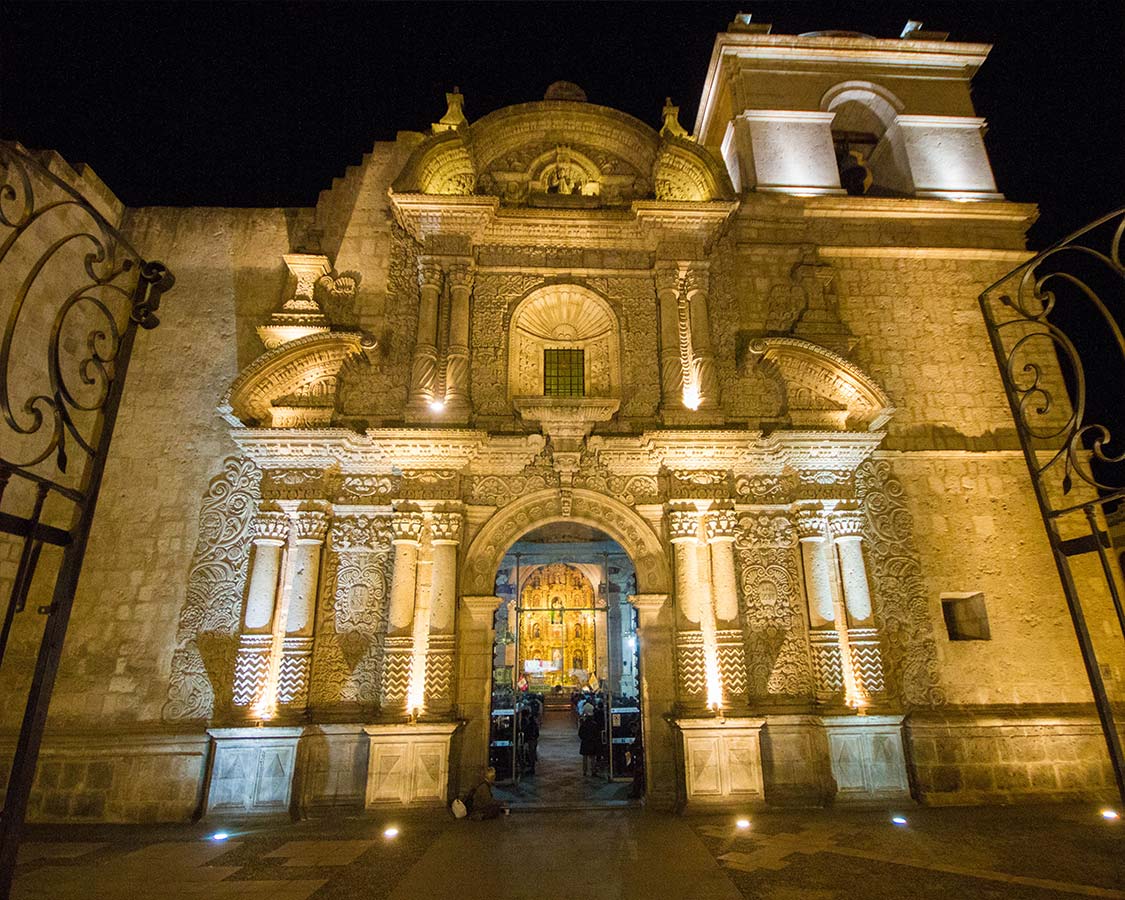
[(672, 124), (454, 114)]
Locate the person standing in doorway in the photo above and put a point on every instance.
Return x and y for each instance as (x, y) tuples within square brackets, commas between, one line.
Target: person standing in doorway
[(590, 741)]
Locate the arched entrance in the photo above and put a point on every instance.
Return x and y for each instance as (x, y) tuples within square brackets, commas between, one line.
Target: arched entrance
[(643, 556), (565, 721)]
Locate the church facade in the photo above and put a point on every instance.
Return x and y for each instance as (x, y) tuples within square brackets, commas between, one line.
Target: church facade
[(750, 355)]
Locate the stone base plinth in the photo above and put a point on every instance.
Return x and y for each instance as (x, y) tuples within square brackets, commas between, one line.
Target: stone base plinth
[(331, 768), (252, 771), (408, 764), (722, 760), (867, 758)]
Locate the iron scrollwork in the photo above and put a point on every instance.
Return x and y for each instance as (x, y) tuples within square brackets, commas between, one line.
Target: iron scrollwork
[(1029, 333), (1033, 322), (73, 292), (56, 240)]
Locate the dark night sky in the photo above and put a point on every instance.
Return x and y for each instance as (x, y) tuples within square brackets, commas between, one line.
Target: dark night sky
[(252, 104)]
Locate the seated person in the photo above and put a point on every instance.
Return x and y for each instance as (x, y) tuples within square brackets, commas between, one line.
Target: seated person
[(480, 801)]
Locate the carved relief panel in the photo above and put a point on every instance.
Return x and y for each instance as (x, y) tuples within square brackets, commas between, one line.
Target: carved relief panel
[(777, 650)]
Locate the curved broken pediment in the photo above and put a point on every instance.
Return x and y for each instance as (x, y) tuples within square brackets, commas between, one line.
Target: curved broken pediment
[(822, 389), (563, 152), (686, 171), (293, 385)]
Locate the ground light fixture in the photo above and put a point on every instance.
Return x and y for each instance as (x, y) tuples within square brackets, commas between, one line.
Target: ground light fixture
[(437, 406), (742, 824), (898, 820), (390, 833), (220, 836), (1111, 815)]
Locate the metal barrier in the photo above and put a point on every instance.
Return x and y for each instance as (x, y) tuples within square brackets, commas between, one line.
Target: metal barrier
[(73, 292), (1044, 318)]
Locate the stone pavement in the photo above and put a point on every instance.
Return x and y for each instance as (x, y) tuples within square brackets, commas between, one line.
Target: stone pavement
[(558, 781), (618, 854)]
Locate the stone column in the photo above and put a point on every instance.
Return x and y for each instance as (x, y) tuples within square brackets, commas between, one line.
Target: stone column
[(445, 530), (294, 655), (720, 537), (271, 533), (252, 661), (698, 657), (829, 670), (696, 282), (658, 690), (863, 638), (671, 371), (424, 371), (721, 524), (406, 528), (304, 567), (457, 359)]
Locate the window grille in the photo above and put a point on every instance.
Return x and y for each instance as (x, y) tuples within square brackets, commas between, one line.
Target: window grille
[(564, 373)]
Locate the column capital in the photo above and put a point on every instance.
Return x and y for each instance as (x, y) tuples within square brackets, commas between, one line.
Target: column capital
[(429, 272), (683, 525), (811, 525), (847, 525), (667, 276), (460, 274), (649, 604), (312, 526), (481, 609), (271, 528), (445, 528), (696, 278), (406, 527), (721, 525)]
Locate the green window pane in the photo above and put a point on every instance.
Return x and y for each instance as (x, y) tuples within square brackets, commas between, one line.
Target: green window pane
[(564, 373)]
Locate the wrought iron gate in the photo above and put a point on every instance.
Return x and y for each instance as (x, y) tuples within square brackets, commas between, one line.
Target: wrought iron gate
[(73, 292), (1047, 321)]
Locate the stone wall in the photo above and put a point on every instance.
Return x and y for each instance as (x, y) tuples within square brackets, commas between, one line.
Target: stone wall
[(168, 446), (1006, 754)]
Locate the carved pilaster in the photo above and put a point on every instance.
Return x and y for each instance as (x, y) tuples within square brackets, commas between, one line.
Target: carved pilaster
[(667, 279), (424, 371), (460, 279), (696, 281)]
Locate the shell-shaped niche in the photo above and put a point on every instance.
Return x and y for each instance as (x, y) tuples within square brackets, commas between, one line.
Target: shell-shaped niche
[(564, 314)]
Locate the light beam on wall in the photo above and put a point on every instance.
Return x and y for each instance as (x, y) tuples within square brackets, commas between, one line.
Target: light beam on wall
[(692, 397)]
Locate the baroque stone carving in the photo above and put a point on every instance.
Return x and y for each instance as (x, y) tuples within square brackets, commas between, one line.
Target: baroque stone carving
[(365, 486), (349, 651), (629, 489), (777, 655), (901, 612), (764, 488), (203, 661)]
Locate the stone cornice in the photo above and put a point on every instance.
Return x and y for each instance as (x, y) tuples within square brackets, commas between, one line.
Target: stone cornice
[(742, 452), (643, 226), (386, 450), (383, 450)]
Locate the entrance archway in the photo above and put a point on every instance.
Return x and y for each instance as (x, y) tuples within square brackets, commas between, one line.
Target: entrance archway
[(479, 602), (565, 722)]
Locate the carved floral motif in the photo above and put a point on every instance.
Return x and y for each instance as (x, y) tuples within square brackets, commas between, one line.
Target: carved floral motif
[(901, 612), (207, 637)]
